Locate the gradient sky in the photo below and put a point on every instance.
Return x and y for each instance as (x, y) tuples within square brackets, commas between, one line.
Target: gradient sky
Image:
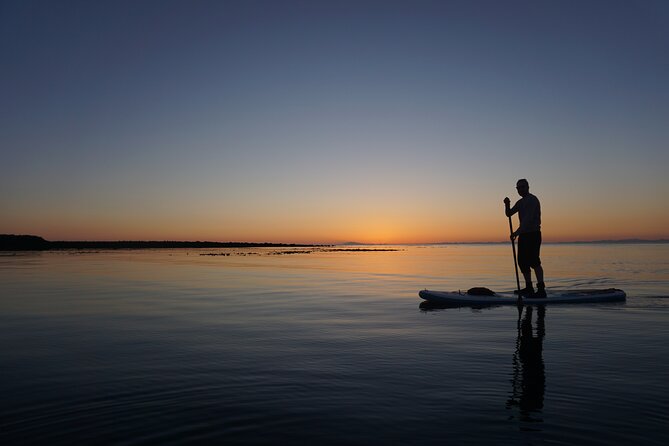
[(328, 121)]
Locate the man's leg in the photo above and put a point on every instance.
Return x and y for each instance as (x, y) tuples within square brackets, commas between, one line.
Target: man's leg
[(541, 287), (539, 272), (523, 263), (527, 274), (538, 269)]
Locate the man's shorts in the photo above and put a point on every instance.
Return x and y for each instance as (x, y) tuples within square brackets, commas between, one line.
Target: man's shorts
[(529, 245)]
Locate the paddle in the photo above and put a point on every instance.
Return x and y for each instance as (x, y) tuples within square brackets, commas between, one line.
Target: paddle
[(515, 263)]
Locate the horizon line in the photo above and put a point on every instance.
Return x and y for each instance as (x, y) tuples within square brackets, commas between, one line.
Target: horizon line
[(475, 242)]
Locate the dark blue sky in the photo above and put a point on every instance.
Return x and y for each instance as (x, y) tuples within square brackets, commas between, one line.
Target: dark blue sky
[(158, 109)]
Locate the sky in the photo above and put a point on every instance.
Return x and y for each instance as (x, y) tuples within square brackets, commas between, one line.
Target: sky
[(332, 121)]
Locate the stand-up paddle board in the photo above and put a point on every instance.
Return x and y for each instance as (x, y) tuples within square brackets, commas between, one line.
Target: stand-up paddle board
[(552, 297)]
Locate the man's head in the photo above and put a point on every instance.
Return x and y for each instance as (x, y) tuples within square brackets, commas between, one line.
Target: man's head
[(523, 187)]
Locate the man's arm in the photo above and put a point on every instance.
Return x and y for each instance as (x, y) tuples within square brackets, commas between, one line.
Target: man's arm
[(508, 210)]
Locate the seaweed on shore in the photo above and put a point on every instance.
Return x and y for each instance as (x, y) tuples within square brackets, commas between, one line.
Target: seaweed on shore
[(298, 251)]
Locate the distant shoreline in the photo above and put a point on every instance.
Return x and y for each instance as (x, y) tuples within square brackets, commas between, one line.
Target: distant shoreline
[(11, 242)]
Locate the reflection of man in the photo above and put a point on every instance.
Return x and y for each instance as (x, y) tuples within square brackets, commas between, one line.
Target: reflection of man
[(529, 381), (529, 237)]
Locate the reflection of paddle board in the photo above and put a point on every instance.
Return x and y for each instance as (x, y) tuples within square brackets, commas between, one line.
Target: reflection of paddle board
[(553, 297)]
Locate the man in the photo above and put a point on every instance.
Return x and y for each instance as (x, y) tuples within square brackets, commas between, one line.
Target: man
[(529, 238)]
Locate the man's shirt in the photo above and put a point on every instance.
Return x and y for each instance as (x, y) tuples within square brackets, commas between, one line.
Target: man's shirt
[(529, 213)]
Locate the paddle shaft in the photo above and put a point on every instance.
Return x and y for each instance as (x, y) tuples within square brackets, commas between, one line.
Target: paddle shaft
[(515, 262)]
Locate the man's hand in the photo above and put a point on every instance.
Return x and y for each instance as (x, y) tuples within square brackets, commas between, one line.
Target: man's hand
[(514, 235), (507, 202)]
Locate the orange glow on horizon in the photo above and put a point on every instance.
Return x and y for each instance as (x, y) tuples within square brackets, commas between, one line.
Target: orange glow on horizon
[(387, 224), (371, 233)]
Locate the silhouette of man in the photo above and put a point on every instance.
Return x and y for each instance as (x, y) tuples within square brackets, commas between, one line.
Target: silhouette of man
[(529, 238)]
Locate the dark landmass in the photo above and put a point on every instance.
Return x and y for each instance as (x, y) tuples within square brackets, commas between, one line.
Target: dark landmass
[(11, 242)]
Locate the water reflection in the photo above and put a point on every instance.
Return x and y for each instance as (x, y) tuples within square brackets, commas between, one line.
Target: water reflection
[(529, 375)]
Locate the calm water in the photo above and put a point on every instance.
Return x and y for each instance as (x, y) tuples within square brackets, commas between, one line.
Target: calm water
[(168, 346)]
